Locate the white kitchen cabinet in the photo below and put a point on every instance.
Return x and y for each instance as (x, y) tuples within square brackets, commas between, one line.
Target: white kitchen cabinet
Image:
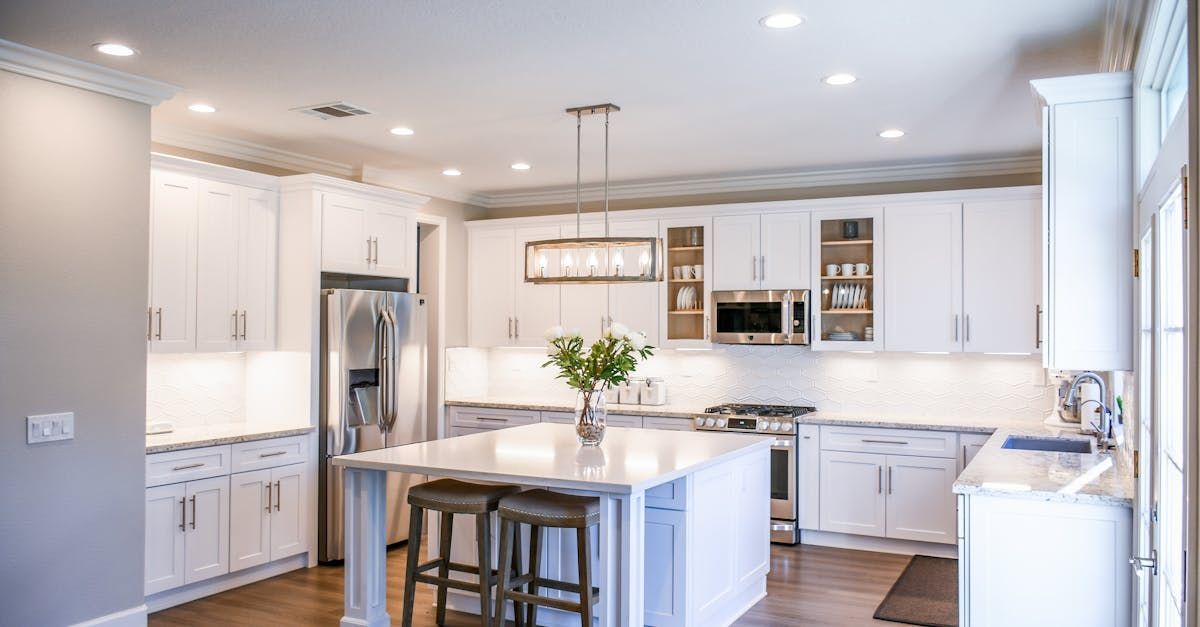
[(852, 498), (583, 308), (969, 446), (634, 304), (667, 424), (491, 282), (206, 548), (808, 465), (290, 511), (258, 245), (923, 287), (249, 519), (487, 419), (171, 313), (920, 503), (767, 251), (831, 246), (166, 507), (364, 236), (1001, 268), (1087, 221), (666, 574), (686, 241), (536, 306)]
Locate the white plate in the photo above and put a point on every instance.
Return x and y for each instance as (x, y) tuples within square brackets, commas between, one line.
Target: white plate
[(858, 297), (692, 300), (679, 299)]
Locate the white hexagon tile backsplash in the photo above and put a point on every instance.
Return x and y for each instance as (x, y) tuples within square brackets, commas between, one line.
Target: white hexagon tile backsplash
[(196, 389), (887, 384)]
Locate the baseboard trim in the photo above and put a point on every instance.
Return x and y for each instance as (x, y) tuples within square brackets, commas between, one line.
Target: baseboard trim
[(129, 617), (201, 589), (879, 545)]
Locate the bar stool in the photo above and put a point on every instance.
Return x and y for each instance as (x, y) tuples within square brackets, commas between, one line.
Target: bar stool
[(543, 508), (449, 497)]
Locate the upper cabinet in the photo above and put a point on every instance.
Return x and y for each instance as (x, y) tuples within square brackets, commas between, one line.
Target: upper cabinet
[(634, 304), (767, 251), (684, 294), (923, 289), (504, 310), (1087, 221), (847, 247), (1001, 267), (361, 235), (213, 251)]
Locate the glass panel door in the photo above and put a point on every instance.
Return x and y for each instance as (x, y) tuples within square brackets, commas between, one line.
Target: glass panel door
[(1144, 410)]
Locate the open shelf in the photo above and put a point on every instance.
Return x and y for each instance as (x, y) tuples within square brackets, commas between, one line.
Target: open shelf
[(686, 312), (848, 242), (685, 280), (865, 277), (680, 249), (837, 250), (685, 246), (847, 311)]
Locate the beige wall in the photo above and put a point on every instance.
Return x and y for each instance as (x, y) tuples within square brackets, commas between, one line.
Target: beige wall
[(74, 221), (828, 191)]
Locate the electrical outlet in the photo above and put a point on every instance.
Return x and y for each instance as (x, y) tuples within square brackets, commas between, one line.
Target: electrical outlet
[(49, 427)]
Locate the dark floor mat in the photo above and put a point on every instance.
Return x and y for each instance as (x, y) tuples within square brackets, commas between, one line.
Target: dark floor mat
[(925, 594)]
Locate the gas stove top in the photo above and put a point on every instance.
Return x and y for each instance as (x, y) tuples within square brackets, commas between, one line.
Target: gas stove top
[(747, 418)]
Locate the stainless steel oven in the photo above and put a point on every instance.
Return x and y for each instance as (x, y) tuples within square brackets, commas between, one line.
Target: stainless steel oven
[(760, 317), (778, 421)]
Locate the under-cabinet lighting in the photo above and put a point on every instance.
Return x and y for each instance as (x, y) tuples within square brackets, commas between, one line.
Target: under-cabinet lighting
[(932, 352), (864, 352), (1011, 354)]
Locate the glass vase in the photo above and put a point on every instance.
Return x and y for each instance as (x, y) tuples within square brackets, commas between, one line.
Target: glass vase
[(591, 416)]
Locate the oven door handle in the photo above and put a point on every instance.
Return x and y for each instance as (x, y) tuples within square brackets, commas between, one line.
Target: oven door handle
[(786, 322), (781, 443)]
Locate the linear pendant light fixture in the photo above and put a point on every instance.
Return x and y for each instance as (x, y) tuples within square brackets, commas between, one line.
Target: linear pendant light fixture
[(593, 259)]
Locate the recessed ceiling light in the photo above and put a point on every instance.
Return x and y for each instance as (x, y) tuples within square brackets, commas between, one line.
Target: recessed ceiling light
[(840, 79), (402, 130), (201, 107), (782, 20), (452, 172), (521, 166), (114, 49), (891, 133)]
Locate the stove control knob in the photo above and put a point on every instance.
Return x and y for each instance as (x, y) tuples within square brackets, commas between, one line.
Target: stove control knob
[(787, 426), (710, 422), (763, 425), (699, 422), (774, 426), (721, 422)]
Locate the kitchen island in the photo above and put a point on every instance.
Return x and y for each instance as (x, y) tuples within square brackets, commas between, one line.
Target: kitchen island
[(683, 533)]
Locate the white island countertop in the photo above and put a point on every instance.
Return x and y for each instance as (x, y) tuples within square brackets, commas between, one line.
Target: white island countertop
[(549, 455)]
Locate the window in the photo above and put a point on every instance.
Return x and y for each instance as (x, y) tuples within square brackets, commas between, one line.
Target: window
[(1174, 91)]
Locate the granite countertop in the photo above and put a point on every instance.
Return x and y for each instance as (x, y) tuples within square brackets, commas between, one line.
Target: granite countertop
[(215, 435)]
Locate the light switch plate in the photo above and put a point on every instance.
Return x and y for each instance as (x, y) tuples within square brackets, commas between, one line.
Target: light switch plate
[(49, 427)]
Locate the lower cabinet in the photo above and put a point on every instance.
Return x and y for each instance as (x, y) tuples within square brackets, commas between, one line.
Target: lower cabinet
[(920, 500), (969, 446), (852, 499), (187, 533), (267, 515)]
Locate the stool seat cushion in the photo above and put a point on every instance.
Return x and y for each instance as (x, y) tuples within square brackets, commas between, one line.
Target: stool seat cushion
[(459, 497), (551, 509)]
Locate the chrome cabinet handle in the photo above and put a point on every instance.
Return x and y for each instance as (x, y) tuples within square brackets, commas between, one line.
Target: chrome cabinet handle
[(754, 268), (762, 267), (510, 328), (516, 328), (235, 324), (149, 323), (272, 454), (182, 514), (968, 327), (187, 466), (490, 419), (278, 496), (268, 487), (1037, 326), (376, 239), (243, 324), (889, 479), (193, 511), (964, 456), (368, 250), (955, 327), (706, 329), (879, 471), (158, 313), (865, 441)]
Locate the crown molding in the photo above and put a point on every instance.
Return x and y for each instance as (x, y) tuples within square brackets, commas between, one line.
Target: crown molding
[(247, 151), (56, 68), (1029, 164), (1082, 88), (213, 172), (397, 180), (324, 183)]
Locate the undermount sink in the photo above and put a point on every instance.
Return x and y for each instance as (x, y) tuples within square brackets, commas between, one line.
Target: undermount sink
[(1050, 445)]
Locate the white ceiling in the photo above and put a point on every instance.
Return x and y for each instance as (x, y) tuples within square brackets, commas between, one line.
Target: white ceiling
[(705, 90)]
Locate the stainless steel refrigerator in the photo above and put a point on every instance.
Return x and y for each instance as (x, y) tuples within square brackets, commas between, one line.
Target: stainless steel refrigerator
[(373, 369)]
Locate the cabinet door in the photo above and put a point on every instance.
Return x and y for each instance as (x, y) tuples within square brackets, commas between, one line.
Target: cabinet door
[(808, 465), (736, 262), (583, 307), (852, 498), (920, 504), (785, 252), (537, 305), (257, 277), (923, 286), (395, 241), (969, 446), (290, 511), (666, 567), (217, 267), (345, 245), (207, 543), (635, 304), (490, 287), (686, 242), (164, 537), (173, 228), (1001, 282), (249, 519)]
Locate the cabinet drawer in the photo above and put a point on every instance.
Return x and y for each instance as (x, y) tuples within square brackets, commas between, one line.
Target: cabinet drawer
[(269, 453), (889, 441), (667, 424), (179, 466), (671, 495), (613, 420), (483, 418)]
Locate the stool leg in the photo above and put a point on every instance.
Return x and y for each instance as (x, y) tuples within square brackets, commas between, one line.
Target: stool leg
[(518, 607), (503, 571), (535, 565), (483, 533), (585, 576), (445, 534), (414, 558)]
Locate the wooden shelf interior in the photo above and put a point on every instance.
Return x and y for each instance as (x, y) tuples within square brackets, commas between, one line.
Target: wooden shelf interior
[(836, 249), (685, 247)]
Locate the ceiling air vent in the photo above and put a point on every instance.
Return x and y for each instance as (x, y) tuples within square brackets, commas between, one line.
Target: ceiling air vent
[(331, 110)]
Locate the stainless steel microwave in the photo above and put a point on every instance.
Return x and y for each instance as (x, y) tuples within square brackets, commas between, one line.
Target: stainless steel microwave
[(760, 317)]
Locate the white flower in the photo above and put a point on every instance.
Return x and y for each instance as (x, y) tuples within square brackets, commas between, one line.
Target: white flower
[(637, 340), (553, 333), (574, 333), (618, 331)]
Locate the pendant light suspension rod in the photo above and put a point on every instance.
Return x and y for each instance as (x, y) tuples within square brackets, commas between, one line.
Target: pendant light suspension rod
[(578, 167), (606, 172)]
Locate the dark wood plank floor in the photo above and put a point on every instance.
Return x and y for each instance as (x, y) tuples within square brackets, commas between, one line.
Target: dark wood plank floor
[(807, 586)]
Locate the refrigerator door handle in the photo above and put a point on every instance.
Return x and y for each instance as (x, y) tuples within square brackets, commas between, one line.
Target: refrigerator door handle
[(387, 372)]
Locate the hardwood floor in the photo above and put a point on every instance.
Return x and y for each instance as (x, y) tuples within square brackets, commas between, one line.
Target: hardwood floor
[(808, 585)]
